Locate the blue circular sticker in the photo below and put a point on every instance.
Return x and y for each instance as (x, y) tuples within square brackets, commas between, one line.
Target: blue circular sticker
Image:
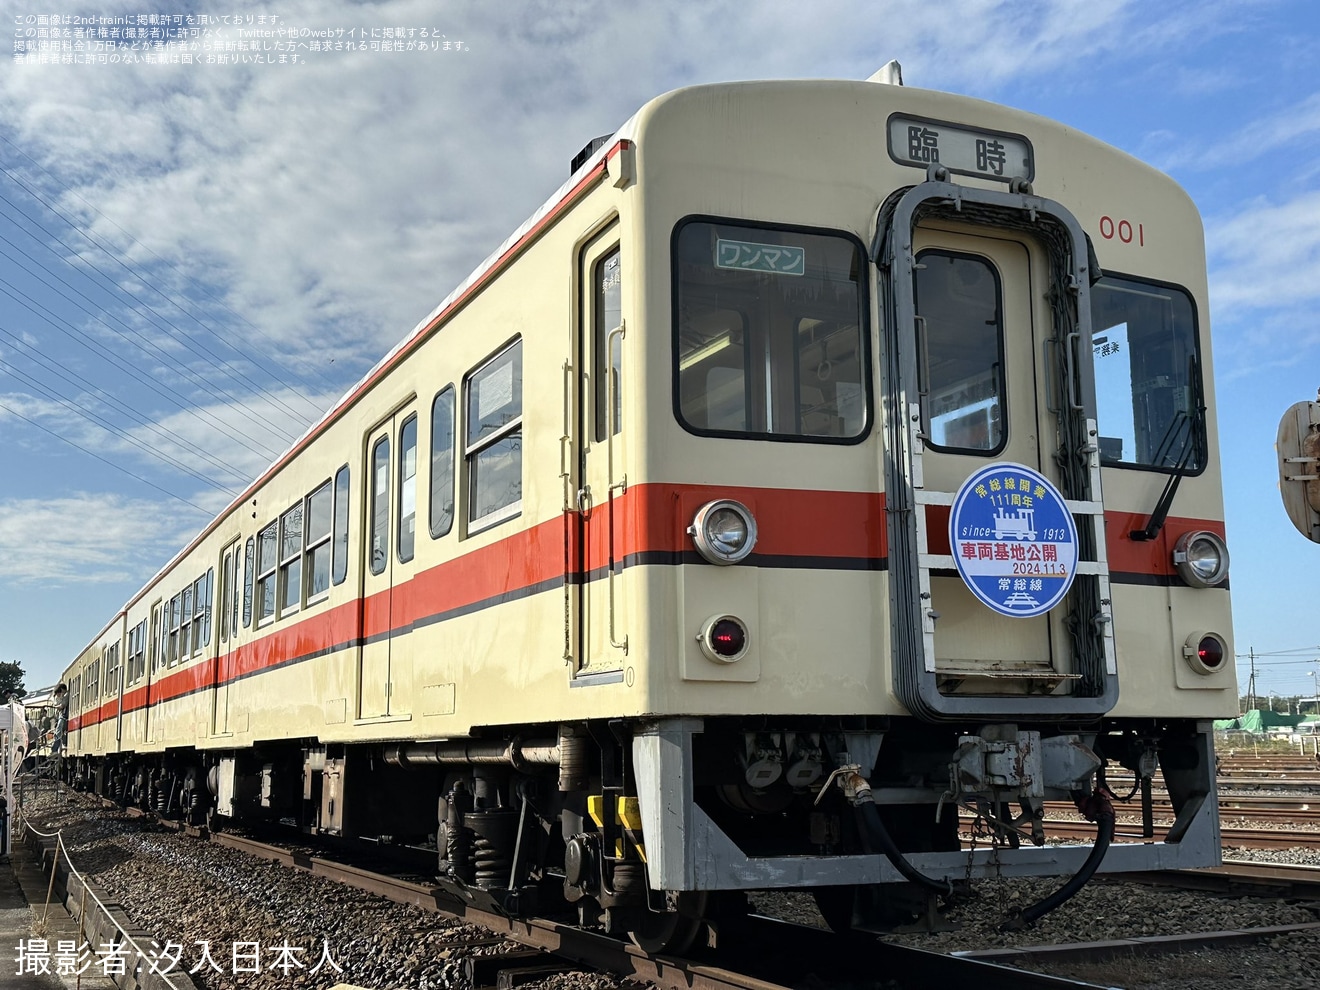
[(1014, 540)]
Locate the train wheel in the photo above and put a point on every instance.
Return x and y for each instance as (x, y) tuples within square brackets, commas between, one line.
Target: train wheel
[(672, 933)]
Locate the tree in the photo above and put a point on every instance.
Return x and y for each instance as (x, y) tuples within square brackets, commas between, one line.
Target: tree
[(11, 681)]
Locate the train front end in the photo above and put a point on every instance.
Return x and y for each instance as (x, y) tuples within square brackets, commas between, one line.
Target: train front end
[(928, 533)]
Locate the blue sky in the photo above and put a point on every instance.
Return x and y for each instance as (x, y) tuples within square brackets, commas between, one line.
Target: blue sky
[(196, 259)]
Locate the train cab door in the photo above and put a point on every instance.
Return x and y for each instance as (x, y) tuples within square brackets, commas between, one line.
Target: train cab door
[(223, 670), (1010, 613), (977, 344), (391, 504), (599, 640)]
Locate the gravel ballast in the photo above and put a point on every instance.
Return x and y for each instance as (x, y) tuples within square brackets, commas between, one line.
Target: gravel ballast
[(189, 891)]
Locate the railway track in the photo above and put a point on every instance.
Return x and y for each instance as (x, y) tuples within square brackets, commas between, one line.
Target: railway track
[(1248, 838), (766, 954), (769, 954)]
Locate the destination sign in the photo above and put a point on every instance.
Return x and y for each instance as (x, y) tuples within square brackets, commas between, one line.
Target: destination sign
[(753, 257), (965, 150)]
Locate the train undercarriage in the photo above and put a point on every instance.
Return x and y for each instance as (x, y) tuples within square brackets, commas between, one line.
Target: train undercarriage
[(657, 828)]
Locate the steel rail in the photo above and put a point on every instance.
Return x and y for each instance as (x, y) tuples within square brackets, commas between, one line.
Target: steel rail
[(1240, 878), (1251, 838)]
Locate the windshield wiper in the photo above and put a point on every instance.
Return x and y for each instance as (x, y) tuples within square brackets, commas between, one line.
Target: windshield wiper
[(1195, 429)]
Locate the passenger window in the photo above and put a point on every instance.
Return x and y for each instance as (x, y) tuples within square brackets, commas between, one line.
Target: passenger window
[(317, 555), (340, 565), (607, 284), (208, 590), (494, 438), (291, 551), (407, 489), (442, 463), (1146, 377), (769, 337), (267, 562), (248, 574), (960, 349), (380, 505)]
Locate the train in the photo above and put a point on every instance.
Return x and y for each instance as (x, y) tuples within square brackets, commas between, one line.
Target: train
[(822, 479)]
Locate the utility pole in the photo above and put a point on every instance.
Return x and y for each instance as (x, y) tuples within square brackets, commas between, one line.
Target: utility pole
[(1251, 684)]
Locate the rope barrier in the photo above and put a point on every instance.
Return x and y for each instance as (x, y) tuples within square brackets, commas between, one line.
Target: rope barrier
[(58, 836)]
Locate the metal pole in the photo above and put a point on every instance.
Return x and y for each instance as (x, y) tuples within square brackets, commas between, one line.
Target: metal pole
[(50, 888)]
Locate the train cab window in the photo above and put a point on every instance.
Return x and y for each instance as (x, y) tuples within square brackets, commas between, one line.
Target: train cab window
[(407, 537), (339, 566), (249, 574), (267, 561), (960, 352), (494, 439), (316, 566), (291, 551), (380, 505), (1146, 376), (442, 463), (607, 284), (769, 334)]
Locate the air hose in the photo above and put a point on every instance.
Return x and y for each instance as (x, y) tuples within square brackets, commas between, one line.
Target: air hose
[(1095, 808), (868, 820)]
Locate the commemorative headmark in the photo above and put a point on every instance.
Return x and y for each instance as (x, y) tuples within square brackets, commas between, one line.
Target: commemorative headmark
[(1014, 540)]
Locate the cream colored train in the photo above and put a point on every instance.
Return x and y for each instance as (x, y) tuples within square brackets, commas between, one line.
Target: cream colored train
[(823, 460)]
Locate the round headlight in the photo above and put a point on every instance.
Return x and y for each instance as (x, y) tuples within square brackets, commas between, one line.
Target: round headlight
[(724, 531), (1201, 559)]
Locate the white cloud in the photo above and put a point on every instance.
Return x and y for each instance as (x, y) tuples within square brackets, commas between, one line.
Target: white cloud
[(88, 538), (333, 203)]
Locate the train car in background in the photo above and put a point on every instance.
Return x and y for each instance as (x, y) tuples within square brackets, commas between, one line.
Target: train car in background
[(822, 459)]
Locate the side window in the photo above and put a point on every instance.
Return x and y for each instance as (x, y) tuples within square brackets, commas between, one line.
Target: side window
[(960, 316), (494, 438), (339, 567), (407, 489), (157, 654), (1146, 374), (316, 566), (175, 611), (249, 572), (380, 505), (291, 551), (75, 694), (234, 594), (185, 624), (442, 463), (607, 284), (208, 591), (267, 561)]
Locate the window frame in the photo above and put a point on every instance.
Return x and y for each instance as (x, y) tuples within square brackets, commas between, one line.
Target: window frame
[(310, 548), (1201, 439), (998, 368), (374, 527), (259, 615), (341, 541), (473, 450), (864, 331), (285, 563), (406, 480), (447, 528)]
